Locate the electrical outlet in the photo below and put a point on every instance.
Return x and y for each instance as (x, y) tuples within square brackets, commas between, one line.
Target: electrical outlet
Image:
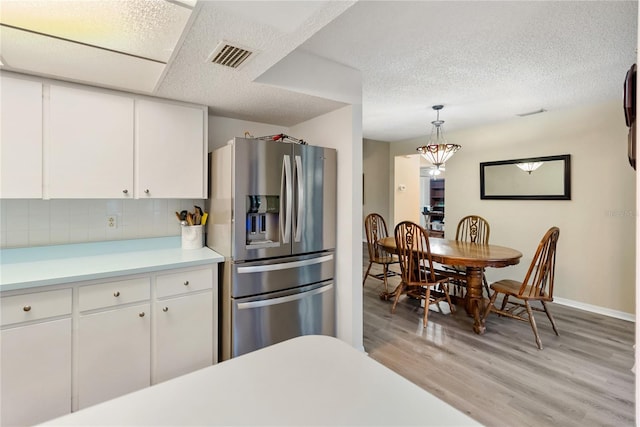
[(112, 221)]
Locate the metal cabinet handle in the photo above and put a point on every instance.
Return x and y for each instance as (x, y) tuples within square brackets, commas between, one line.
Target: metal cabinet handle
[(26, 308), (146, 191), (125, 191), (116, 294), (186, 283), (165, 309), (141, 314)]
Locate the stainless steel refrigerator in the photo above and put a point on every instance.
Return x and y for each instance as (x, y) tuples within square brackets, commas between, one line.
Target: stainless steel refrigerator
[(272, 214)]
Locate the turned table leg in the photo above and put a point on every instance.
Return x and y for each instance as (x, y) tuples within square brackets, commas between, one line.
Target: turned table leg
[(474, 304)]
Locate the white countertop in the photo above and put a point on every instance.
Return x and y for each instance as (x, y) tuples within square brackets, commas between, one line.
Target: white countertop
[(24, 268), (310, 380)]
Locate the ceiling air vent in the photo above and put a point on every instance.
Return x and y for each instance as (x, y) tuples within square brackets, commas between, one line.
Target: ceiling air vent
[(229, 55)]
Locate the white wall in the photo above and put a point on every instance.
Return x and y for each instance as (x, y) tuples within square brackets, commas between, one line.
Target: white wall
[(222, 130), (596, 250), (342, 130), (375, 169), (406, 189)]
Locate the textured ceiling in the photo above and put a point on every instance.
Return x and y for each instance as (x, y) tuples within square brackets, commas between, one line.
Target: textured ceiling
[(484, 61), (272, 30)]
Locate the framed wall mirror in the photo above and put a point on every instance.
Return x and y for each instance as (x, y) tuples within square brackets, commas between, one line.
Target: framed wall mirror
[(535, 178)]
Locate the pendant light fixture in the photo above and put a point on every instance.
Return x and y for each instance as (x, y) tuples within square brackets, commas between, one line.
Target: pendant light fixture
[(438, 151)]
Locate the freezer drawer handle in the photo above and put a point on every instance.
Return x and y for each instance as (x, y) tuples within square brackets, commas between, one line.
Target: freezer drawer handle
[(282, 300), (284, 265)]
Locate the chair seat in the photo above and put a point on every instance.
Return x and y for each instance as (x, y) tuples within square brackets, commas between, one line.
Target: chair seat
[(512, 288), (385, 259)]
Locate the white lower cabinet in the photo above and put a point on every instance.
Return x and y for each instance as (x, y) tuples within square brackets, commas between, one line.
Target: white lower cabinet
[(183, 314), (60, 354), (184, 335), (113, 353), (35, 355)]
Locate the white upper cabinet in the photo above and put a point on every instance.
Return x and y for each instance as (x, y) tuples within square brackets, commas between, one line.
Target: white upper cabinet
[(90, 144), (67, 141), (20, 138), (170, 150)]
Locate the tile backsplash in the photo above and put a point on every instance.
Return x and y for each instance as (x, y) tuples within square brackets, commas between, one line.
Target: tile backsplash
[(53, 222)]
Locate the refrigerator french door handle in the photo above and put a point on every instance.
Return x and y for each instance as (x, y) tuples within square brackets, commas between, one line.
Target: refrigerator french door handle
[(286, 193), (282, 300), (300, 208)]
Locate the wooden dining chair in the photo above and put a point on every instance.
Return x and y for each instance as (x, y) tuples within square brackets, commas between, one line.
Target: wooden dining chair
[(537, 286), (416, 266), (376, 229), (472, 229)]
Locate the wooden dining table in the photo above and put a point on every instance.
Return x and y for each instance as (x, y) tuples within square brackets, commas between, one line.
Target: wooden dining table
[(475, 258)]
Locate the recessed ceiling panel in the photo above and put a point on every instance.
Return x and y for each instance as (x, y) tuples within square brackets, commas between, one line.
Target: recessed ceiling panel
[(34, 54), (286, 16), (147, 28)]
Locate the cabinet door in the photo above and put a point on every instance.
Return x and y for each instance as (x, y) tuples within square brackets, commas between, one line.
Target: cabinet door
[(20, 139), (90, 145), (35, 372), (184, 335), (113, 353), (170, 150)]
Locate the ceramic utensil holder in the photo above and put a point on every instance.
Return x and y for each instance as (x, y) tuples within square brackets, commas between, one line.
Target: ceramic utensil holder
[(192, 237)]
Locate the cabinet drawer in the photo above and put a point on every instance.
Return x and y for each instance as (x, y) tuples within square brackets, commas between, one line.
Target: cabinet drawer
[(183, 282), (35, 306), (114, 293)]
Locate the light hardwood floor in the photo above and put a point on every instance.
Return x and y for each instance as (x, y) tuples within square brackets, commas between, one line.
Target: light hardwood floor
[(581, 378)]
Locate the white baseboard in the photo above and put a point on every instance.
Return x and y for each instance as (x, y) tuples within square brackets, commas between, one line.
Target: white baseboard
[(596, 309)]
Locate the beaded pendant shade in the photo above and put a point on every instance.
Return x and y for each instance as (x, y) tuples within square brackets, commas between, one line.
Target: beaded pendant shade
[(438, 150)]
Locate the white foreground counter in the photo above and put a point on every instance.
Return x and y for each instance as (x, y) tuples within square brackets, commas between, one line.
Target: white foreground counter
[(310, 380)]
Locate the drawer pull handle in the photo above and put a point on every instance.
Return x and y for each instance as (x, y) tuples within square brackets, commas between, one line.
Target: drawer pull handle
[(165, 309), (186, 283), (125, 191), (146, 191), (116, 294), (141, 314), (26, 308)]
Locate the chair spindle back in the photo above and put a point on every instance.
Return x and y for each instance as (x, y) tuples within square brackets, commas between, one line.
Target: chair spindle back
[(473, 229), (412, 246), (542, 269), (376, 229)]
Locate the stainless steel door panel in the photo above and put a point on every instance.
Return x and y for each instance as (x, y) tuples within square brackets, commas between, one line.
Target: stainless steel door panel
[(255, 278), (259, 169), (262, 321), (314, 207)]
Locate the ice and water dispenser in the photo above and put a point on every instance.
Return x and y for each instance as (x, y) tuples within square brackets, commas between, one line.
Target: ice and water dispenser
[(263, 221)]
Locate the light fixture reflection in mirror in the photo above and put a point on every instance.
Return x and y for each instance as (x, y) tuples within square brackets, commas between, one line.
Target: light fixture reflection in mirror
[(529, 166), (550, 181)]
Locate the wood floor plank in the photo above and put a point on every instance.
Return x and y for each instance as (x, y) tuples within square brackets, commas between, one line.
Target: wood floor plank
[(581, 378)]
